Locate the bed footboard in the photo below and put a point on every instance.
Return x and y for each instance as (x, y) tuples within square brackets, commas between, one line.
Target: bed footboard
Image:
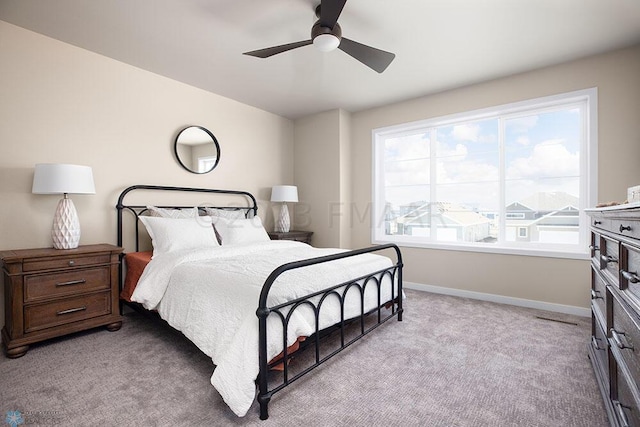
[(284, 311)]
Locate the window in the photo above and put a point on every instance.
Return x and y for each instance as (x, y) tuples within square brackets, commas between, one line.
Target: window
[(522, 232), (510, 179)]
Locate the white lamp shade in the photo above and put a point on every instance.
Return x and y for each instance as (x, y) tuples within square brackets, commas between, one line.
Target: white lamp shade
[(284, 193), (54, 178)]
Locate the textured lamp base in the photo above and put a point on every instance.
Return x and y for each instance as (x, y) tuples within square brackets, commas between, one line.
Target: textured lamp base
[(66, 226), (283, 224)]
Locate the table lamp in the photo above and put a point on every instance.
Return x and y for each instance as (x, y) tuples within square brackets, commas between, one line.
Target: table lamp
[(52, 178), (284, 194)]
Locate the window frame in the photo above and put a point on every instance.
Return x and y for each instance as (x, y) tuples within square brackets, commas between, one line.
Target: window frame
[(588, 174)]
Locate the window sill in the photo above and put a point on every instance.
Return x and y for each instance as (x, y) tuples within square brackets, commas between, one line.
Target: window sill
[(501, 250)]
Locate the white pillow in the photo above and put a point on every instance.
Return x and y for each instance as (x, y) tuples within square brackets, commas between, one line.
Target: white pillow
[(172, 213), (240, 230), (169, 234), (225, 213)]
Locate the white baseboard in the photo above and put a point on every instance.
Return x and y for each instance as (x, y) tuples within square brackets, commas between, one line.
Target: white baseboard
[(540, 305)]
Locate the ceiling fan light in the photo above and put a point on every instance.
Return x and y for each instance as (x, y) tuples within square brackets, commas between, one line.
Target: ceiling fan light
[(326, 42)]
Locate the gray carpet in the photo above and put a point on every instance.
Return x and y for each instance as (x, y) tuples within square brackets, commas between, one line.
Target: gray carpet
[(451, 362)]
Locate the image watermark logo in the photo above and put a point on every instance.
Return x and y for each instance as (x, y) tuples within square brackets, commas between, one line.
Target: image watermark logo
[(14, 418)]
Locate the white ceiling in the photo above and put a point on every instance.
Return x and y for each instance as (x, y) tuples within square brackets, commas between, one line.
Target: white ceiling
[(439, 44)]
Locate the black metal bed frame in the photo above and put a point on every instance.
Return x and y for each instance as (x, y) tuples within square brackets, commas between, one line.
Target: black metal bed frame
[(285, 310)]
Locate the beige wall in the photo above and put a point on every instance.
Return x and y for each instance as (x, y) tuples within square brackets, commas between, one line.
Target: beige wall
[(59, 103), (559, 281), (317, 175), (322, 173)]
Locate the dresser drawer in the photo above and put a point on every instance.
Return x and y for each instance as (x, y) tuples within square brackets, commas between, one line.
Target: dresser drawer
[(601, 223), (52, 263), (628, 228), (630, 270), (624, 403), (624, 337), (49, 286), (594, 247), (609, 258), (60, 312), (598, 293), (600, 347)]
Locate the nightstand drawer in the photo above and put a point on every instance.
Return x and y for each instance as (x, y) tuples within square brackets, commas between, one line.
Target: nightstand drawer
[(47, 315), (48, 286), (64, 262)]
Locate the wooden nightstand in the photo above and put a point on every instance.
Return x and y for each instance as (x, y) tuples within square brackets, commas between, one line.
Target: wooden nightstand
[(53, 292), (300, 236)]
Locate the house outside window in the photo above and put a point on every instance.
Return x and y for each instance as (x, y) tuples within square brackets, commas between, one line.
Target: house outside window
[(510, 179)]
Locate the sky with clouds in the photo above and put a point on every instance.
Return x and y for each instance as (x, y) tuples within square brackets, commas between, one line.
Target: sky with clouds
[(542, 153)]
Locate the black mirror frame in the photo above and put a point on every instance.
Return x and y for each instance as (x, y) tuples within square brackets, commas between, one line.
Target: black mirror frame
[(213, 139)]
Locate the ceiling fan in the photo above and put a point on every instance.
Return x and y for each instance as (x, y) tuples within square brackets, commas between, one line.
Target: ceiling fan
[(326, 35)]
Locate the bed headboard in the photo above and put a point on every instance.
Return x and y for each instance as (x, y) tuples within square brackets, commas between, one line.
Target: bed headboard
[(156, 195)]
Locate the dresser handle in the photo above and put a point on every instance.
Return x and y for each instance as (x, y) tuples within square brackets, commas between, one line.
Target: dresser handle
[(594, 248), (594, 342), (630, 276), (71, 310), (72, 263), (618, 340), (623, 228), (73, 282), (607, 259), (624, 422), (595, 294), (596, 222)]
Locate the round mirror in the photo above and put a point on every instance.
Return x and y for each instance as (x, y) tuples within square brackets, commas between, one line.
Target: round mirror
[(196, 149)]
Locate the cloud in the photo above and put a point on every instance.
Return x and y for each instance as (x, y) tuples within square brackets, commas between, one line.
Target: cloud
[(456, 154), (547, 159), (522, 124), (465, 132), (466, 172), (407, 147)]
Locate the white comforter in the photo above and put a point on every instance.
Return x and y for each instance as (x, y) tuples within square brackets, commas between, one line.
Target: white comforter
[(211, 296)]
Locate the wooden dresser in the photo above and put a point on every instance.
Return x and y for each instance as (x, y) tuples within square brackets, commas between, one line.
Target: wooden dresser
[(52, 292), (615, 306)]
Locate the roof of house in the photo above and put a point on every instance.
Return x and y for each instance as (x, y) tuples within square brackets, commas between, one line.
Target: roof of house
[(548, 201), (451, 213)]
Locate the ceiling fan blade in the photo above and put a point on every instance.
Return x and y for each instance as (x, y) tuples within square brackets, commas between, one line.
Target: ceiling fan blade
[(330, 11), (274, 50), (376, 59)]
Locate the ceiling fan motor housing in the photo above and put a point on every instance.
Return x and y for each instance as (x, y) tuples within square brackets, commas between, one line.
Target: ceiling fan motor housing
[(318, 30)]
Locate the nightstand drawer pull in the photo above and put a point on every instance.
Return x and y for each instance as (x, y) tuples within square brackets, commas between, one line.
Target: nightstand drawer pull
[(71, 310), (72, 263), (72, 282)]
